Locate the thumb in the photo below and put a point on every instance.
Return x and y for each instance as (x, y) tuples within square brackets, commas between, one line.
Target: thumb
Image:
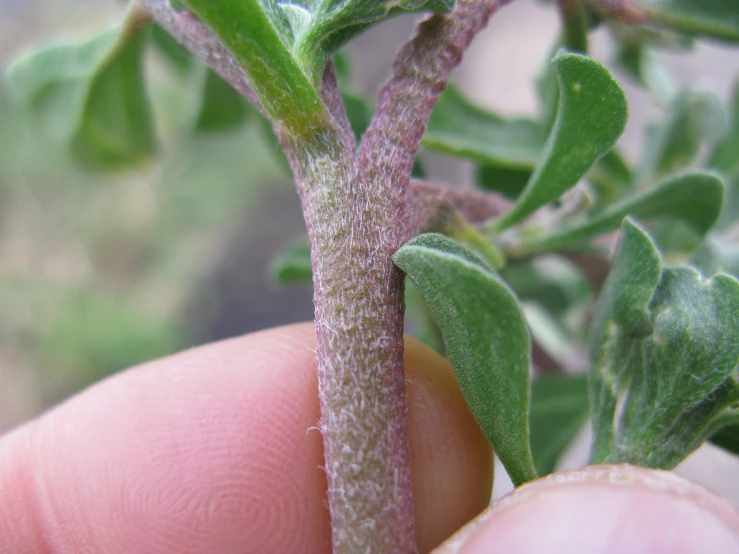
[(613, 509)]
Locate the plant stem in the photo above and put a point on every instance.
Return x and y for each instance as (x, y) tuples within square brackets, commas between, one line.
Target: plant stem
[(355, 209), (359, 325)]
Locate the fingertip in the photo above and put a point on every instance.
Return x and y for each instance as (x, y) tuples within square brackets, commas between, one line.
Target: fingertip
[(216, 448), (451, 459), (604, 510)]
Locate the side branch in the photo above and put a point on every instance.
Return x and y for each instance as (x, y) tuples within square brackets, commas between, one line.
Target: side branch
[(420, 73)]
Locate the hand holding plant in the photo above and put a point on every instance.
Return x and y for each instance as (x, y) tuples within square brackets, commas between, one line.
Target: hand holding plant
[(661, 335)]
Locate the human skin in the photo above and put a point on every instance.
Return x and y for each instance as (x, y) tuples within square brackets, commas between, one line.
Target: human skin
[(215, 451)]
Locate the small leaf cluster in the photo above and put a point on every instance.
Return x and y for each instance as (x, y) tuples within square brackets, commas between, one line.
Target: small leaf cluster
[(657, 338)]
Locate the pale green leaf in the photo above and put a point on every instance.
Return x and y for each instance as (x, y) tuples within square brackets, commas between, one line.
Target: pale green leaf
[(621, 317), (461, 129), (665, 341), (694, 198), (116, 127), (559, 409), (486, 337), (52, 82), (91, 95), (591, 116), (681, 389)]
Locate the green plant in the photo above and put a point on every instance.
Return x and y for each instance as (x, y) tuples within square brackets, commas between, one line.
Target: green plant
[(523, 258)]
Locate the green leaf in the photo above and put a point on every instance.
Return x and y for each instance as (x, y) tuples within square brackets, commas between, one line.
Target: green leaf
[(671, 348), (681, 387), (487, 340), (249, 31), (715, 18), (293, 265), (695, 198), (621, 317), (116, 127), (509, 181), (591, 116), (52, 82), (458, 128), (559, 409), (693, 117), (92, 96), (222, 107), (319, 28)]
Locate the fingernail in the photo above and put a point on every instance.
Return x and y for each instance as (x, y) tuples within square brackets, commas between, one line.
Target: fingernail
[(612, 509)]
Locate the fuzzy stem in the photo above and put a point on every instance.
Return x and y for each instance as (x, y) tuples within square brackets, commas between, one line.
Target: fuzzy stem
[(354, 210), (353, 213)]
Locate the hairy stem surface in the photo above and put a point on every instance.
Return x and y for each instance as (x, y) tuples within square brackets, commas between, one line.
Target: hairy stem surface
[(355, 211)]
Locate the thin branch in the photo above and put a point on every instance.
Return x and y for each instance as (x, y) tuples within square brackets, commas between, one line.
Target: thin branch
[(420, 73), (331, 95)]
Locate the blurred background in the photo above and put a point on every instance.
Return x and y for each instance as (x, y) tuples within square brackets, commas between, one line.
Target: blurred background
[(99, 272)]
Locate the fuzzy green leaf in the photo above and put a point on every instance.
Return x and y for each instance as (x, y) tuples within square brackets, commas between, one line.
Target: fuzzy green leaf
[(92, 95), (715, 18), (671, 348), (621, 317), (681, 381), (250, 32), (694, 198), (293, 265), (559, 409), (591, 116), (461, 129), (486, 337)]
